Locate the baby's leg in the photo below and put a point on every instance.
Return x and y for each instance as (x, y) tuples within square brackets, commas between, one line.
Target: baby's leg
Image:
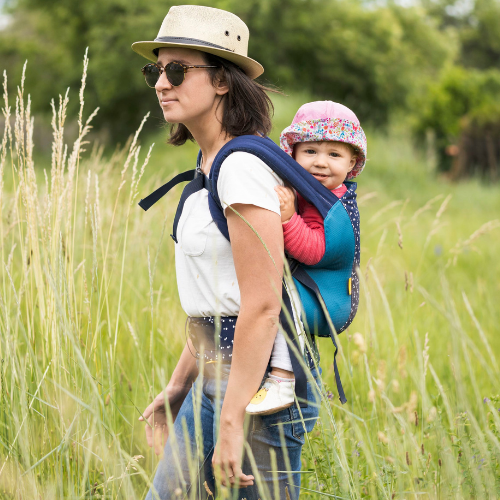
[(277, 393), (281, 364)]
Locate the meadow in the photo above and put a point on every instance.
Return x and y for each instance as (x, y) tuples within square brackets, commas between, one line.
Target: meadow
[(91, 325)]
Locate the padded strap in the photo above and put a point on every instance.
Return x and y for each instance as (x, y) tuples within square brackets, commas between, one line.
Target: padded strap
[(218, 216), (301, 275), (282, 164), (155, 196), (298, 369)]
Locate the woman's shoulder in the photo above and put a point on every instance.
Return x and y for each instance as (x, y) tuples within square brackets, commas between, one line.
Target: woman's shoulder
[(242, 160), (245, 178), (241, 167)]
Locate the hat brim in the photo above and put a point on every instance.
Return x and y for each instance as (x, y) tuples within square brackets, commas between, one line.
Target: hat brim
[(251, 67)]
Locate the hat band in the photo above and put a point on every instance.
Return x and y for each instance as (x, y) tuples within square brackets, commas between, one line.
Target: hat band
[(189, 41)]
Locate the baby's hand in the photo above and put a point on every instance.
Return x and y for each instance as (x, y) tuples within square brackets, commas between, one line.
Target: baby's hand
[(287, 202)]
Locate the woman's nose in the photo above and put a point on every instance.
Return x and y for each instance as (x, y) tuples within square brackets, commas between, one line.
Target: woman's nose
[(163, 83)]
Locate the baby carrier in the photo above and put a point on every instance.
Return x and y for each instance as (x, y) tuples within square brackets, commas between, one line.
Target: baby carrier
[(333, 281)]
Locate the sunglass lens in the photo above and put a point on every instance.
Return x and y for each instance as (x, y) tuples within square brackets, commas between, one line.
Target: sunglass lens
[(151, 74), (175, 73)]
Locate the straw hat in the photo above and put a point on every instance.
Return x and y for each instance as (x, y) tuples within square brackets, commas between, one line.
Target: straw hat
[(207, 29)]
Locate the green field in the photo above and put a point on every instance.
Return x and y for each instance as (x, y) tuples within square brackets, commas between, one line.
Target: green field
[(91, 325)]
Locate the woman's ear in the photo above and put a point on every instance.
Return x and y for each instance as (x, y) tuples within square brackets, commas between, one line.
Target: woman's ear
[(221, 87)]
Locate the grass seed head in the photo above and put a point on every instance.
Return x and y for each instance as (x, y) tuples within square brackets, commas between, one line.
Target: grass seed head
[(431, 416), (359, 340), (402, 360), (382, 438), (371, 395)]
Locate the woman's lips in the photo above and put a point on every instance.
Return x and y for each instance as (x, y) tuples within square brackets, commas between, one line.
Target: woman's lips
[(166, 102)]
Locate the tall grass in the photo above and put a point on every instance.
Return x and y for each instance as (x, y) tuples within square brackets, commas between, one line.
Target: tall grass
[(91, 326)]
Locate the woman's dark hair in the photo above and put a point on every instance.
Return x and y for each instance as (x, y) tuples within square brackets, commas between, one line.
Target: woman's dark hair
[(247, 107)]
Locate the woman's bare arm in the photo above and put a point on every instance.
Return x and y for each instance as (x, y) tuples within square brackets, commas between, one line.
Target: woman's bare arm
[(186, 370), (259, 272), (176, 391)]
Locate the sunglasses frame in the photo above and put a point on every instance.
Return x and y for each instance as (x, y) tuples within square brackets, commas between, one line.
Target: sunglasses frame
[(161, 69)]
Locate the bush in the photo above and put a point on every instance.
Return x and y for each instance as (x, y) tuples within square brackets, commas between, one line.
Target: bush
[(370, 58), (462, 110)]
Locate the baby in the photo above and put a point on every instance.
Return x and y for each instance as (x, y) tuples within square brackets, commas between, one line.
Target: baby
[(327, 140)]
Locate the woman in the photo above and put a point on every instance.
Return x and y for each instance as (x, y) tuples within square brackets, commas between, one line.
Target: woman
[(204, 83)]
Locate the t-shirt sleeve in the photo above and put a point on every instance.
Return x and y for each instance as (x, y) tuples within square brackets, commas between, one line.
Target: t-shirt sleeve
[(245, 178)]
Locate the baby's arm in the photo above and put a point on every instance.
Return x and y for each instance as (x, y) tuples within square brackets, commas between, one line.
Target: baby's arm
[(303, 241)]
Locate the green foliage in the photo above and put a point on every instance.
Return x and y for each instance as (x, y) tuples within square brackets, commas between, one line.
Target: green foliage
[(475, 25), (462, 108), (53, 37), (370, 58), (463, 99)]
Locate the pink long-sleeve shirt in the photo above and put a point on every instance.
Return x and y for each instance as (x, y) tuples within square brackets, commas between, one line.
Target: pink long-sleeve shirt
[(304, 233)]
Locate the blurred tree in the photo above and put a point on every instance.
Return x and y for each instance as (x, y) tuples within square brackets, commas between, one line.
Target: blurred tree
[(463, 111), (480, 39), (53, 36), (476, 24), (372, 58), (462, 108)]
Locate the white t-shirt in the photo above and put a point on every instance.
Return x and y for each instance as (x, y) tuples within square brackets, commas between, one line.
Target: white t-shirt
[(206, 277)]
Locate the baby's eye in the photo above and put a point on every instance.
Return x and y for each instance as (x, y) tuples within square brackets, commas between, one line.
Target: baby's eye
[(334, 154), (310, 151)]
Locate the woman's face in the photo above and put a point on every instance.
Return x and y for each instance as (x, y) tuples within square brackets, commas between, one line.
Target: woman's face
[(195, 99)]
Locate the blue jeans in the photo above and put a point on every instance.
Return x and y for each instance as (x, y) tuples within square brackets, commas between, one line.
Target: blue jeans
[(195, 436)]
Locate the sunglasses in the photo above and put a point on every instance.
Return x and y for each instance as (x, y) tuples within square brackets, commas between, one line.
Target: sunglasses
[(175, 72)]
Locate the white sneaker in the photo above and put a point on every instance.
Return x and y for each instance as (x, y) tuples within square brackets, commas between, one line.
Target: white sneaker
[(272, 397)]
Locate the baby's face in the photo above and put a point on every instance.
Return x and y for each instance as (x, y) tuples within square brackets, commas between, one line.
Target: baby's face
[(329, 162)]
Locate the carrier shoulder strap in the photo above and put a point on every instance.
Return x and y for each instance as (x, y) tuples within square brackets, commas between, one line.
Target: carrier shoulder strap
[(281, 163)]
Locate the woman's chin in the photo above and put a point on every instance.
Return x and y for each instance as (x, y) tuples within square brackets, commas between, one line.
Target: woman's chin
[(170, 117)]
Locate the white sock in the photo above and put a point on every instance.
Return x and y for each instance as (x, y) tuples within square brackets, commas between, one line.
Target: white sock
[(280, 379)]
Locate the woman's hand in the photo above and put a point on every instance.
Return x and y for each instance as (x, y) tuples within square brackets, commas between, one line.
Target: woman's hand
[(286, 196), (156, 416), (228, 455)]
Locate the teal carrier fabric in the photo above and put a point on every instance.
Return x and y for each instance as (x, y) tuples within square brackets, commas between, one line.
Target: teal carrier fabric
[(333, 283), (335, 275)]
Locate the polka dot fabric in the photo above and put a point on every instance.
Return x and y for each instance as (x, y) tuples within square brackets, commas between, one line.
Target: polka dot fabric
[(351, 207), (206, 328), (327, 129)]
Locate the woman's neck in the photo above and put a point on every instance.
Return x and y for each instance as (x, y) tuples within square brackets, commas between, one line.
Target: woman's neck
[(209, 135)]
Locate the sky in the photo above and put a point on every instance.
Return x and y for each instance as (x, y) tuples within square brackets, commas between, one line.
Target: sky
[(4, 18)]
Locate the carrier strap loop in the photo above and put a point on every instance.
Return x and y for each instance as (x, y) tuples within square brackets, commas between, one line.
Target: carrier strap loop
[(200, 182), (301, 276), (155, 196)]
